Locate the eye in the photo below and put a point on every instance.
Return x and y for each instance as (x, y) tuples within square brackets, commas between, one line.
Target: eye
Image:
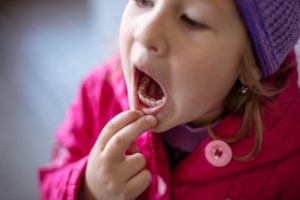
[(192, 23), (144, 3)]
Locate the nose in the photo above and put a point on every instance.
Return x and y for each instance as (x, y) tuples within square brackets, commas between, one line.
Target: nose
[(151, 34)]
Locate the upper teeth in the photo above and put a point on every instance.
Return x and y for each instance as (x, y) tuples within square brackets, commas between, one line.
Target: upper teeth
[(142, 94)]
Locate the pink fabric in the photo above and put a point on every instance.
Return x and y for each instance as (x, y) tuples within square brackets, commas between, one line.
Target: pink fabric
[(273, 174)]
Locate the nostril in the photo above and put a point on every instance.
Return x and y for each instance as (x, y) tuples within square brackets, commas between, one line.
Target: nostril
[(153, 49), (159, 49)]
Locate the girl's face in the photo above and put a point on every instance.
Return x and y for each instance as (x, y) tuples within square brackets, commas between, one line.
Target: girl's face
[(181, 58)]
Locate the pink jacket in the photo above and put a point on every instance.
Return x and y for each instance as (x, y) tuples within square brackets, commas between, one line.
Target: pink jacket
[(273, 174)]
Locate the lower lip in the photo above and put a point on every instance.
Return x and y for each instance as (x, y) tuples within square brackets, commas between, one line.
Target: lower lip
[(150, 111)]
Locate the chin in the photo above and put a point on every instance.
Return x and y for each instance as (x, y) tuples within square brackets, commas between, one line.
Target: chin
[(159, 129), (162, 126)]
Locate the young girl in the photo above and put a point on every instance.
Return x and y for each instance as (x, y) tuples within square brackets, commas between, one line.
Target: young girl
[(201, 103)]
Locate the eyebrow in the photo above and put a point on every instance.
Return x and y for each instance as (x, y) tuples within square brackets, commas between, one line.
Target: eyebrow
[(211, 8), (211, 5)]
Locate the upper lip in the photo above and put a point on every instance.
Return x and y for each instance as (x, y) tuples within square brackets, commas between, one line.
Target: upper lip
[(143, 69)]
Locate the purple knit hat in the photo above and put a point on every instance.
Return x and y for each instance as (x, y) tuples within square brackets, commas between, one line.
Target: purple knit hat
[(274, 28)]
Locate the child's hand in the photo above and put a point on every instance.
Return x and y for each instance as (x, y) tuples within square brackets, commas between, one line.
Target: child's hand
[(109, 173)]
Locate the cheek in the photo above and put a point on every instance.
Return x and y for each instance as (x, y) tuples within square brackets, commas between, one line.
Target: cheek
[(125, 46), (205, 88), (125, 36), (123, 42)]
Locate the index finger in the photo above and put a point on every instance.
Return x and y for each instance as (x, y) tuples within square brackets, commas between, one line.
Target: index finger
[(116, 124), (120, 142)]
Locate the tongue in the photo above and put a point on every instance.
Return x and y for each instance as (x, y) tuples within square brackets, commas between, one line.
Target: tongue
[(153, 90)]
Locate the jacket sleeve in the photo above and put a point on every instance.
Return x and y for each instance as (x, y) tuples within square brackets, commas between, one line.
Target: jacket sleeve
[(75, 138)]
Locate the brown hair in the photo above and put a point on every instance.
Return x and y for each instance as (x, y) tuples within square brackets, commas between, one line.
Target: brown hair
[(249, 105)]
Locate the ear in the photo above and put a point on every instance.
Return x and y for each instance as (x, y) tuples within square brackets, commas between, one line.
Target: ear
[(241, 77), (249, 75)]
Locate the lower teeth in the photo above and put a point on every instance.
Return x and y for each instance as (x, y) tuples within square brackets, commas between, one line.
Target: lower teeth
[(144, 98), (149, 102)]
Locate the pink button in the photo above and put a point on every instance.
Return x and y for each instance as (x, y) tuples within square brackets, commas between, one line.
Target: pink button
[(218, 153)]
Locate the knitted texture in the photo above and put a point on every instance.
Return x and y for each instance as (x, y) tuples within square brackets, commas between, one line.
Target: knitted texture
[(273, 27)]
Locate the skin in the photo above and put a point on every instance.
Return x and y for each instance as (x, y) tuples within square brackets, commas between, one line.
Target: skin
[(109, 173), (195, 63), (187, 60)]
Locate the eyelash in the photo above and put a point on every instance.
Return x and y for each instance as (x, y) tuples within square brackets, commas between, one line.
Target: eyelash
[(190, 22), (143, 3)]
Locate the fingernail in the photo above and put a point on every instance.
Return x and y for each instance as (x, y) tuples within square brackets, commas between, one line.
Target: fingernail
[(151, 119)]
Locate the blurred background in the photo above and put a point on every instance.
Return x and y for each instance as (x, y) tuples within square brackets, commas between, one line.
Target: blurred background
[(46, 48)]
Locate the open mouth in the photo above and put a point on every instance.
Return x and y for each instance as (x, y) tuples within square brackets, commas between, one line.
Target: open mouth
[(150, 95)]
